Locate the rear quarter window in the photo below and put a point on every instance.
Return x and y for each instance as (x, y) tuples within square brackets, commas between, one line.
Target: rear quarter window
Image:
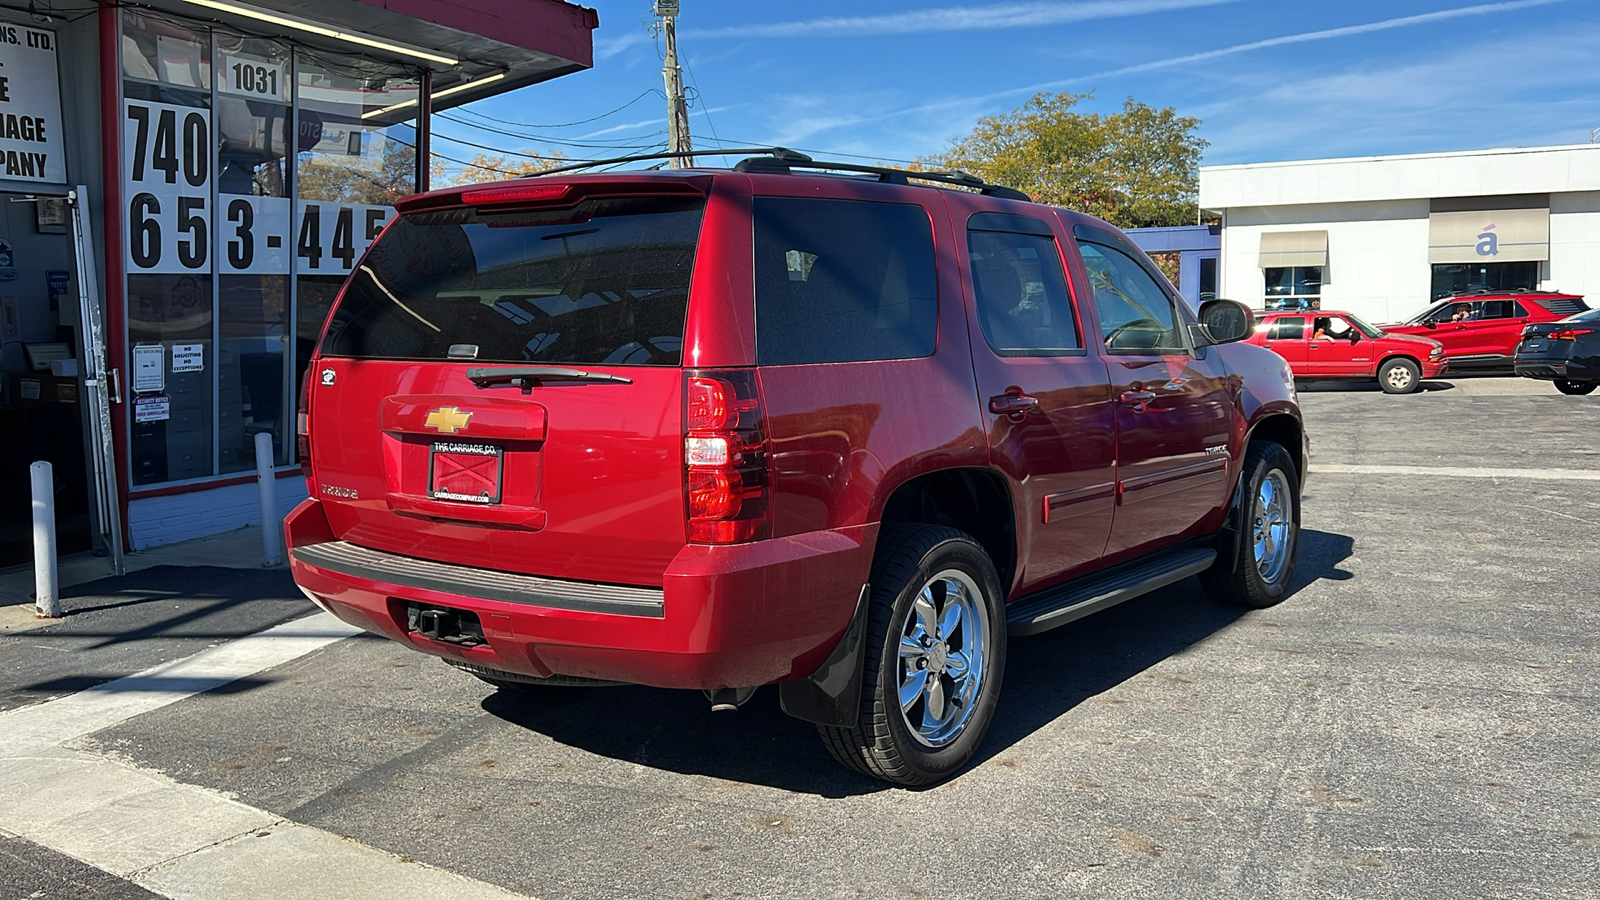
[(606, 283), (843, 281)]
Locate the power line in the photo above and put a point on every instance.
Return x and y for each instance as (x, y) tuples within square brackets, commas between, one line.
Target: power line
[(819, 153), (613, 112), (545, 139), (704, 110), (456, 140)]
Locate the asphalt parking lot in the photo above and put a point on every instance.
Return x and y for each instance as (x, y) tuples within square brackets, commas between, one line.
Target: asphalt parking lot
[(1419, 719)]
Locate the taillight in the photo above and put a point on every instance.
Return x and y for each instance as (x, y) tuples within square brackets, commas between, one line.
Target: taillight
[(725, 457), (1569, 334), (302, 429)]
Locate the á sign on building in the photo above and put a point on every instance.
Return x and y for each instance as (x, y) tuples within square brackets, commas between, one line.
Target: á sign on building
[(30, 106)]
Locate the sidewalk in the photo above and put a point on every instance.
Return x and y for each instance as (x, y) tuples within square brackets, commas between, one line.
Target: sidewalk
[(234, 550)]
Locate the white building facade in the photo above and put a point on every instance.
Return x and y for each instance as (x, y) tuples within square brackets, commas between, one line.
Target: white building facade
[(1383, 236)]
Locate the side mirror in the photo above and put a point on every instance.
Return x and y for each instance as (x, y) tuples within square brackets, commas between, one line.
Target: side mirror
[(1226, 321), (1432, 324), (1355, 336)]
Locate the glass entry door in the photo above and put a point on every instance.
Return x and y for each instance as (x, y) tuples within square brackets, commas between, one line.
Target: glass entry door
[(42, 409)]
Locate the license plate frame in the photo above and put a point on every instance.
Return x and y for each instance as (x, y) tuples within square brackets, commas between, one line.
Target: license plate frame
[(486, 452), (1534, 344)]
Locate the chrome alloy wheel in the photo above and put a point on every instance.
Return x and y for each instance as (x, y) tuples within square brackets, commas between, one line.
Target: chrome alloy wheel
[(1272, 524), (942, 639), (1398, 377)]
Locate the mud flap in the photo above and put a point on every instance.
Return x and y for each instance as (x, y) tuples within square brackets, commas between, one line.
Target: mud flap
[(1233, 527), (832, 695)]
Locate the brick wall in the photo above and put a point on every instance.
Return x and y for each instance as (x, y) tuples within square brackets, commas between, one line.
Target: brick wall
[(153, 521)]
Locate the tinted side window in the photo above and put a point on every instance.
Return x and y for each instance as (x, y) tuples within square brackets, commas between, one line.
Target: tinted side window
[(1136, 315), (843, 280), (1288, 328), (1021, 292)]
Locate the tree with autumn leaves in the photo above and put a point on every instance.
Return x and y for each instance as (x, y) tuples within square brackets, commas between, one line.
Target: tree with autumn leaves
[(1135, 168), (484, 167)]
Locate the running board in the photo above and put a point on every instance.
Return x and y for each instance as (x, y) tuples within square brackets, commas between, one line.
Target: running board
[(1057, 606)]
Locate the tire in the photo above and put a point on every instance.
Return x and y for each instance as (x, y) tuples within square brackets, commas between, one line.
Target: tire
[(1400, 376), (1575, 388), (931, 737), (1259, 574), (525, 684)]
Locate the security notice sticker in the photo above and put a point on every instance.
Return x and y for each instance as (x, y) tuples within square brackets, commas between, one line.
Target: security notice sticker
[(152, 409), (30, 106)]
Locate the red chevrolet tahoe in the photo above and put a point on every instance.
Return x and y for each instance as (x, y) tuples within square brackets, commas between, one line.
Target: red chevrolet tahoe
[(838, 428)]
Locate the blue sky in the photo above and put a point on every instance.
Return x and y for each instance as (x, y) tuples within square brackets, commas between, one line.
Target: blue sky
[(893, 81)]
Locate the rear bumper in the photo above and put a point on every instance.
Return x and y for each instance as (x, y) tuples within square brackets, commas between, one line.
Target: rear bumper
[(725, 616), (1556, 370)]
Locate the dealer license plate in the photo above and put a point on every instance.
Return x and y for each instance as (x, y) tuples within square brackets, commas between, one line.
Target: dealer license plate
[(465, 473)]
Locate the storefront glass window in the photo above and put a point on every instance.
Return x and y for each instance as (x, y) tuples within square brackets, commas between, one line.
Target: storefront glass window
[(357, 156), (167, 191), (1461, 278), (255, 174), (1293, 287), (254, 116)]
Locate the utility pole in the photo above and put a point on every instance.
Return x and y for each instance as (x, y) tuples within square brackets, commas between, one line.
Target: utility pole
[(677, 106)]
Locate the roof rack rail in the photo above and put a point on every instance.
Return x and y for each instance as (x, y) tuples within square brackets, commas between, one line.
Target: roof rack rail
[(782, 160)]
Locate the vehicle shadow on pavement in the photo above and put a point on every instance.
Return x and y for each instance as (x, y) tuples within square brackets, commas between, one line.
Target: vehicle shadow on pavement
[(118, 626), (1362, 387), (1045, 678)]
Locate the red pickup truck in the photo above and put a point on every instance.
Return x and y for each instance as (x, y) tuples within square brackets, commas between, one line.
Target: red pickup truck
[(827, 426), (1333, 344)]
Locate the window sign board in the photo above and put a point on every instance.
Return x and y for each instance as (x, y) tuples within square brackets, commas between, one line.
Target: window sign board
[(166, 171), (253, 236), (330, 237), (188, 358), (247, 76), (31, 145), (152, 409), (149, 368)]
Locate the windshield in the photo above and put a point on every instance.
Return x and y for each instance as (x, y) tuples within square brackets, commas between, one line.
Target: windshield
[(1422, 315), (1371, 331), (606, 282)]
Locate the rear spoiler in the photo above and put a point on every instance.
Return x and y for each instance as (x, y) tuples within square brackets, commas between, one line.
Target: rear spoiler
[(554, 194)]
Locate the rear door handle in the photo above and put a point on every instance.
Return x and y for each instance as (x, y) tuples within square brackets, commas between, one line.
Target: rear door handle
[(1013, 405), (1137, 399)]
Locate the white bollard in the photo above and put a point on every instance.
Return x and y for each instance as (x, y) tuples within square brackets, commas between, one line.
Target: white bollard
[(271, 525), (46, 579)]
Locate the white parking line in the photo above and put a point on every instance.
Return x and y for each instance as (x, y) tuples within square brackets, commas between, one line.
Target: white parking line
[(30, 729), (1457, 472), (180, 840)]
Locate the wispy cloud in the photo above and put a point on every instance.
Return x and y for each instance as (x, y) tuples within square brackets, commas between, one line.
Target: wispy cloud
[(1187, 59), (1482, 9), (954, 18), (997, 17)]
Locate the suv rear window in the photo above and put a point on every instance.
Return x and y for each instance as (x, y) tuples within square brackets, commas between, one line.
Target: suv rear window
[(1564, 306), (606, 282), (842, 281)]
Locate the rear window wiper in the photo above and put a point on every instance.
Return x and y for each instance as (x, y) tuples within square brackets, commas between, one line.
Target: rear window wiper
[(528, 377)]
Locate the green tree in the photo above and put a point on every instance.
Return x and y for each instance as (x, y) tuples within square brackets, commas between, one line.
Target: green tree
[(1134, 168)]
